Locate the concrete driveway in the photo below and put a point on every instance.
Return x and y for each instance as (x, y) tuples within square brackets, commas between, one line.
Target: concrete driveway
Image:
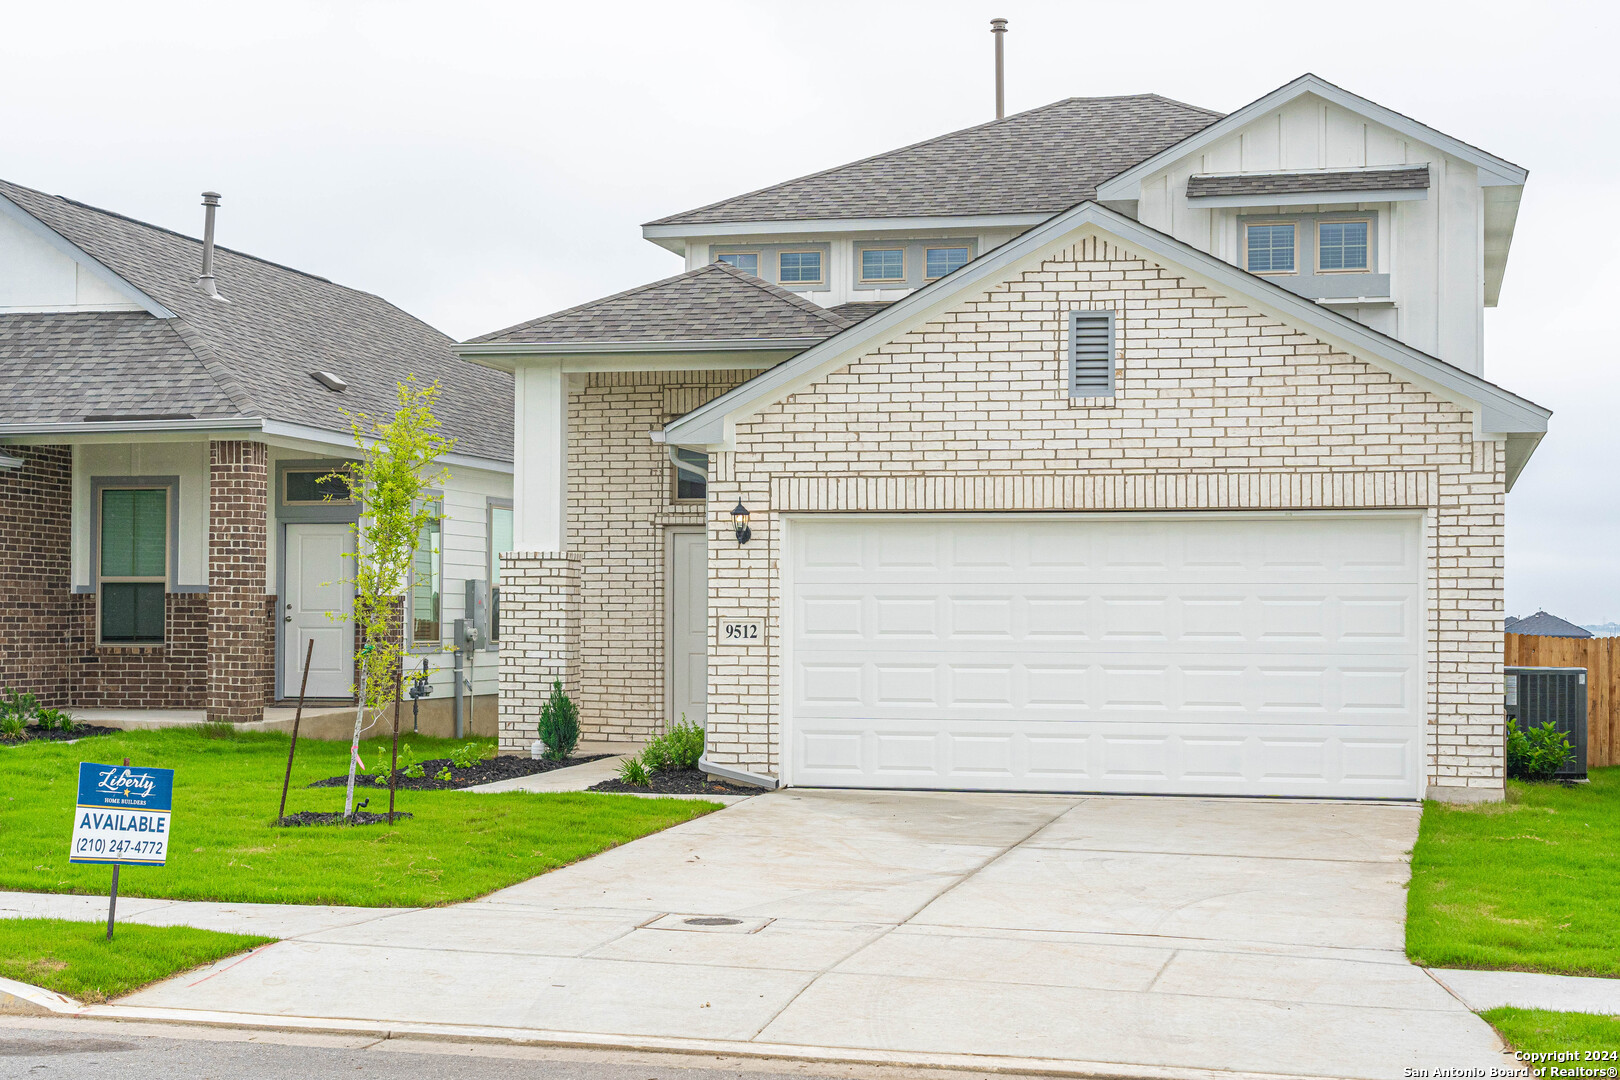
[(1128, 936)]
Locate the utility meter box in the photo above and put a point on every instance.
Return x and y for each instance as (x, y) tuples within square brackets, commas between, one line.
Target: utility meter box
[(1539, 694), (477, 615)]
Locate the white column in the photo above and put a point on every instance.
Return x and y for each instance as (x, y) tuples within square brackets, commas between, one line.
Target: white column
[(540, 450)]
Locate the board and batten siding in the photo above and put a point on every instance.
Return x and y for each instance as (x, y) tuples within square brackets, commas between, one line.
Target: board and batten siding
[(1432, 248)]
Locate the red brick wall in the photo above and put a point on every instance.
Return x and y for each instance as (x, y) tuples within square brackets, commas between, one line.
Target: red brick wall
[(238, 645), (35, 571), (171, 676)]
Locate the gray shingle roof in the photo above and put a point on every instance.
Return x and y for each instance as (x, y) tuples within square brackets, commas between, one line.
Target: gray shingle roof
[(857, 310), (1544, 625), (258, 350), (712, 303), (1041, 161), (1406, 178), (125, 364)]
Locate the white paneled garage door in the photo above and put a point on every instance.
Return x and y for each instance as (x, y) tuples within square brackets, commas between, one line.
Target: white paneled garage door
[(1236, 654)]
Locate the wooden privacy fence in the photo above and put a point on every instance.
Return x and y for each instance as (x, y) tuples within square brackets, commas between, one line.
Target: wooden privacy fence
[(1600, 657)]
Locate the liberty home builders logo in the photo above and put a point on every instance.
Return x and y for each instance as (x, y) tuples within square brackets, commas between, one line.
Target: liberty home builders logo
[(126, 781)]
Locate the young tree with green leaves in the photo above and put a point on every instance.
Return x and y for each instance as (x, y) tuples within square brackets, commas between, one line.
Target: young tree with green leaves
[(398, 461)]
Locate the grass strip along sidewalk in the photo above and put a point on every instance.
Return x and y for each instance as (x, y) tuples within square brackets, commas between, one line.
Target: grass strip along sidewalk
[(1526, 885), (1536, 1031), (76, 959), (223, 847)]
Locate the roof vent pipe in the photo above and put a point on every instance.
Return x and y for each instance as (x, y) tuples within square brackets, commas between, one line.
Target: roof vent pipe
[(206, 280), (998, 30)]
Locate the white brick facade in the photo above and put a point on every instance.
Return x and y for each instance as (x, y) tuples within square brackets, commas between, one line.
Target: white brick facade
[(1218, 407)]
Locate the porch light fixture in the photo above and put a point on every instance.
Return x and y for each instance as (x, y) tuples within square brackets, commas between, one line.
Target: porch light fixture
[(739, 520)]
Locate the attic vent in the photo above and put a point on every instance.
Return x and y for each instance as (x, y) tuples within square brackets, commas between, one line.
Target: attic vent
[(1091, 354), (329, 380)]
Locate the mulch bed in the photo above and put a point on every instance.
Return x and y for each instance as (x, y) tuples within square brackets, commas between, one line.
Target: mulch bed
[(679, 782), (484, 772), (359, 817), (80, 731)]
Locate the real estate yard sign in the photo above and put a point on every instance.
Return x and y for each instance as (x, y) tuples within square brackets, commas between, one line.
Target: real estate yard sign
[(122, 815)]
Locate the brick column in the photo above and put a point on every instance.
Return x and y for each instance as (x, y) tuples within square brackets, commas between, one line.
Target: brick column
[(239, 642), (540, 616), (35, 591)]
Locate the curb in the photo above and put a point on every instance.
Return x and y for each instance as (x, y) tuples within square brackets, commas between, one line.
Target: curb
[(25, 999), (381, 1029)]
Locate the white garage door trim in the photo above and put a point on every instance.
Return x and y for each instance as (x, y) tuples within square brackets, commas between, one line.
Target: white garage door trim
[(1269, 765)]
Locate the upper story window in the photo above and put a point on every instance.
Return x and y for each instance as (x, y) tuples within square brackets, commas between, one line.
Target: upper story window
[(746, 261), (132, 565), (691, 479), (883, 264), (800, 268), (943, 260), (1272, 248), (1342, 246)]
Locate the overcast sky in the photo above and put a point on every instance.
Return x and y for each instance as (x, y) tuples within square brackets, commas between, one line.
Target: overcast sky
[(483, 163)]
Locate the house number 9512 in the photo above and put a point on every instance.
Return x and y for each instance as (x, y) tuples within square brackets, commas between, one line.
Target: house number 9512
[(741, 632)]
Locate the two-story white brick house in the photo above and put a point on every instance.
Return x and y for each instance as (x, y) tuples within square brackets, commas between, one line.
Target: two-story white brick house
[(1114, 446)]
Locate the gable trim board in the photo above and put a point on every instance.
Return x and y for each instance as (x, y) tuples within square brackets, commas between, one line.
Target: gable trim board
[(667, 235), (1498, 411), (98, 269)]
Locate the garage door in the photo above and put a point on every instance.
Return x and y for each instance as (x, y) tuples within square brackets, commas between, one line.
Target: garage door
[(1244, 654)]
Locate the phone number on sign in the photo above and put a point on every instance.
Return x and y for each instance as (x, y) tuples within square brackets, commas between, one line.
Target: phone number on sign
[(99, 845)]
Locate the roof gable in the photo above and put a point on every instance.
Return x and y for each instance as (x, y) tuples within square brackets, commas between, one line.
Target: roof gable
[(1493, 170), (1040, 161), (716, 303), (1499, 410)]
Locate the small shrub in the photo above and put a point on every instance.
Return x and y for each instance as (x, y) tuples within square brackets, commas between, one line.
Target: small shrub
[(57, 720), (633, 772), (685, 744), (656, 754), (12, 726), (559, 724), (467, 755), (17, 704), (443, 774), (415, 771), (1538, 753)]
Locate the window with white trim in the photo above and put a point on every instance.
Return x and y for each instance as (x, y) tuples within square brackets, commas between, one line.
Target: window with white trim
[(427, 581), (1343, 246), (883, 264), (132, 565), (690, 482), (1091, 354)]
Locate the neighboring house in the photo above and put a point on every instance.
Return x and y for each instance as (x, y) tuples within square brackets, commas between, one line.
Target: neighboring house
[(1136, 449), (1542, 624), (165, 538)]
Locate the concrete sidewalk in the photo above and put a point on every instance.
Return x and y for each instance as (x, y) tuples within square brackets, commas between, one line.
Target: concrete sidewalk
[(1482, 990), (1112, 936)]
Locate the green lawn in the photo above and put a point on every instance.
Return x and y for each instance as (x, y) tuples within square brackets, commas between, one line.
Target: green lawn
[(1536, 1031), (223, 846), (1527, 885), (76, 959)]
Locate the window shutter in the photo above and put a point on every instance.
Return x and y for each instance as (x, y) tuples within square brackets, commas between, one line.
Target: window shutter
[(1091, 354)]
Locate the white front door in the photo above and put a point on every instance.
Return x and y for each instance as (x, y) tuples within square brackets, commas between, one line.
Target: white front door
[(1257, 654), (318, 607), (688, 625)]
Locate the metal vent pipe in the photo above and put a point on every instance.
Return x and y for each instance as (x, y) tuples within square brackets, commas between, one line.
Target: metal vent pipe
[(998, 30)]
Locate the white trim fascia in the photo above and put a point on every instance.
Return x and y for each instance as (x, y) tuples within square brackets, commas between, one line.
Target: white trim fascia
[(740, 354), (321, 437), (713, 425), (822, 226), (1492, 169), (9, 462), (131, 427), (98, 269), (1310, 198)]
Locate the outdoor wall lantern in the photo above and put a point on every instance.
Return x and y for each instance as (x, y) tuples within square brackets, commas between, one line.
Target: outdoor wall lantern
[(739, 519)]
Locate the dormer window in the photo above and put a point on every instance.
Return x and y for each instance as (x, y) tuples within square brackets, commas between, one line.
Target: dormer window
[(1342, 247), (883, 264), (746, 261), (800, 268), (1272, 247), (943, 260)]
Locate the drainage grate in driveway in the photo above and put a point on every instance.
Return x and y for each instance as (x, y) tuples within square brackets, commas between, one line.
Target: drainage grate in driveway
[(708, 924)]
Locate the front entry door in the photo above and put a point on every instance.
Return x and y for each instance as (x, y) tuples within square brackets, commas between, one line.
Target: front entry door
[(688, 625), (318, 607)]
